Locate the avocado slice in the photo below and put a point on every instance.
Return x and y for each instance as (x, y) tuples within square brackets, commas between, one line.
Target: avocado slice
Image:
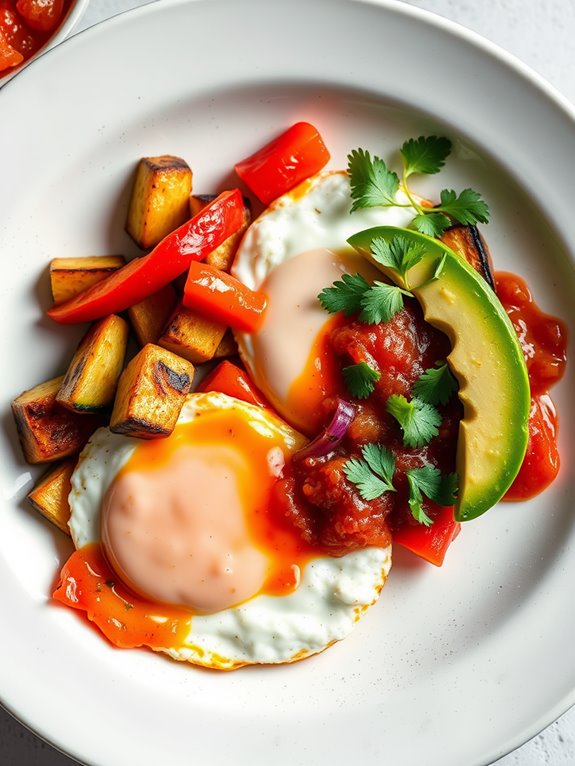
[(486, 359)]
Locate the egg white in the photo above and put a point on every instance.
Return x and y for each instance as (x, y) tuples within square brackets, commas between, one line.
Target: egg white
[(331, 596), (297, 228)]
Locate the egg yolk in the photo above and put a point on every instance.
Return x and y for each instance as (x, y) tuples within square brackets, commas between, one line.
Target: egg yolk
[(187, 520), (188, 527), (320, 379)]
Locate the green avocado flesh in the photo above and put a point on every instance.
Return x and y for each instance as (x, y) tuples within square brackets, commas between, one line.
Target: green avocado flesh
[(486, 359)]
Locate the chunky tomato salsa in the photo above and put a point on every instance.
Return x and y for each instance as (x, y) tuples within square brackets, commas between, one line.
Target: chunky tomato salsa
[(315, 494), (25, 27)]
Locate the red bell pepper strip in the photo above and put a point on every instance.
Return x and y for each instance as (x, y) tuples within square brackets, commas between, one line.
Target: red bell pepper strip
[(223, 298), (171, 257), (283, 163), (430, 543), (228, 378)]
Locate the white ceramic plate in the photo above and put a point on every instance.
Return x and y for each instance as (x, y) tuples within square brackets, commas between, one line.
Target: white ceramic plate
[(455, 665)]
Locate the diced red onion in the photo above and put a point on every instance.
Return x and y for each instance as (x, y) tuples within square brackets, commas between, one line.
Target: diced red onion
[(331, 436)]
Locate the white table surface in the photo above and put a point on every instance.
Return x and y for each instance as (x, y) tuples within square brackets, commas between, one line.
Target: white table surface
[(542, 34)]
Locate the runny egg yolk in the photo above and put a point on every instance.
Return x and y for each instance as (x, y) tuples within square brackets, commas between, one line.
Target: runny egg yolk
[(321, 378), (188, 521)]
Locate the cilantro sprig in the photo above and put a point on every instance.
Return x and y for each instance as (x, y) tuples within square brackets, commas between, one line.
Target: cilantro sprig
[(419, 420), (344, 295), (429, 481), (372, 474), (436, 385), (373, 184), (375, 303), (360, 379)]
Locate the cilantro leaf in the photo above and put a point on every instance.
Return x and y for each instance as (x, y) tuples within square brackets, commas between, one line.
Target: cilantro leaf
[(399, 254), (419, 420), (432, 224), (368, 484), (436, 385), (415, 502), (430, 482), (425, 154), (360, 379), (372, 475), (381, 461), (380, 302), (344, 295), (467, 207), (372, 183)]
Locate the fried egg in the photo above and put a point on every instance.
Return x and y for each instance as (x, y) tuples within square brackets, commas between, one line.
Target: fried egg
[(178, 549), (295, 249)]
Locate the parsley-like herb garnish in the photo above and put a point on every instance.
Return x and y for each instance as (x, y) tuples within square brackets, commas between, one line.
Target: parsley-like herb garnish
[(372, 475), (424, 155), (376, 303), (360, 379), (380, 302), (436, 385), (344, 295), (373, 184), (430, 482), (399, 254), (419, 420)]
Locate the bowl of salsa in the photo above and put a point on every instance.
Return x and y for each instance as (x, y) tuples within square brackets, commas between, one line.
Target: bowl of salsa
[(29, 27)]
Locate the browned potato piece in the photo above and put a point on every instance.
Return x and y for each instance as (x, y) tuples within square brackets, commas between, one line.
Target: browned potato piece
[(192, 336), (48, 431), (223, 256), (149, 317), (50, 495), (151, 393), (71, 276), (90, 382), (160, 199), (227, 347)]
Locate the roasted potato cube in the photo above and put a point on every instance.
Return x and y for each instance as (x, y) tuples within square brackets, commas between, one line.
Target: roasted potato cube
[(48, 431), (223, 256), (71, 276), (199, 201), (151, 393), (149, 317), (160, 199), (227, 346), (92, 377), (192, 336), (50, 495)]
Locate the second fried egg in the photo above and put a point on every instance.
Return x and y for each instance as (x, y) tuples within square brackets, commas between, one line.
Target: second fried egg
[(295, 249)]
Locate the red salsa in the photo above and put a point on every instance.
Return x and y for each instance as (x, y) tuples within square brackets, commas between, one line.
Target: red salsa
[(315, 494), (543, 339), (25, 27)]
